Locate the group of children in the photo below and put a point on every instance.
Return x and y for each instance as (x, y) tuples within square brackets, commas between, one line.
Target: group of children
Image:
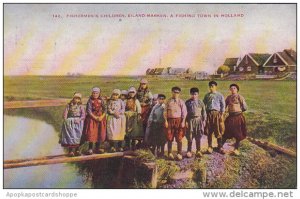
[(144, 120)]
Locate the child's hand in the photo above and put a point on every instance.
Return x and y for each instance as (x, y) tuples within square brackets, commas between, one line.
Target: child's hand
[(166, 124), (77, 121), (221, 117), (101, 118), (187, 125), (117, 115), (182, 124), (97, 119)]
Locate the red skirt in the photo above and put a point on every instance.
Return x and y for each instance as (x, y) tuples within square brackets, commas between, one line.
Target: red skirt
[(235, 127), (94, 131), (145, 113)]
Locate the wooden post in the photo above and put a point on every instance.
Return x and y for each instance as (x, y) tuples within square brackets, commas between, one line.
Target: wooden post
[(152, 170), (145, 173)]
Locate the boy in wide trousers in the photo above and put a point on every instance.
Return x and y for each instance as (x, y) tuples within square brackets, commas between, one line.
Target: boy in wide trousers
[(175, 114)]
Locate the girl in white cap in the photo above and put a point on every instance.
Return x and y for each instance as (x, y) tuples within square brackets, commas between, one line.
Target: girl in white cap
[(71, 130), (123, 95), (134, 129), (116, 121), (94, 130)]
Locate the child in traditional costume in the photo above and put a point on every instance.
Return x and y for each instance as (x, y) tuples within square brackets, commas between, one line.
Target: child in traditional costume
[(116, 121), (144, 96), (215, 108), (94, 130), (175, 115), (235, 123), (124, 94), (134, 129), (156, 123), (72, 127), (195, 121), (154, 102)]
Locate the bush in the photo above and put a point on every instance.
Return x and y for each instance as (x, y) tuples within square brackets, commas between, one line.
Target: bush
[(223, 69)]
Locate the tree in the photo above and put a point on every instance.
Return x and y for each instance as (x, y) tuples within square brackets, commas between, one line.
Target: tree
[(223, 69)]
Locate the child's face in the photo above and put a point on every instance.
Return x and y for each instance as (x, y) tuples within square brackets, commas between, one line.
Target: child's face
[(161, 100), (233, 90), (123, 97), (131, 94), (143, 85), (76, 100), (194, 96), (213, 88), (95, 94), (175, 94), (114, 96)]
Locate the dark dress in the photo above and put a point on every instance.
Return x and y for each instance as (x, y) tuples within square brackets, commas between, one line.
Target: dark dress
[(235, 123)]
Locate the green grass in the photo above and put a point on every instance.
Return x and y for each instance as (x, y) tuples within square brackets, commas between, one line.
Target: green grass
[(256, 168), (272, 104)]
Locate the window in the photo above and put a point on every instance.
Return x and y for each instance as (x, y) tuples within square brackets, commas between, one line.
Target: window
[(281, 68), (248, 68), (275, 59), (241, 69)]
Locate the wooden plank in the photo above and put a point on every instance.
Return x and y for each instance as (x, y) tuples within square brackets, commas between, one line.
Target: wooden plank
[(9, 164), (275, 147), (38, 103), (35, 103), (38, 158)]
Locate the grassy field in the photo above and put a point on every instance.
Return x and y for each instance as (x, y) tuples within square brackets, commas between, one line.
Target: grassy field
[(272, 104)]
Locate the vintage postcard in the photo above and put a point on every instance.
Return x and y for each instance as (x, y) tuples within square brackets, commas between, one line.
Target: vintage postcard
[(165, 96)]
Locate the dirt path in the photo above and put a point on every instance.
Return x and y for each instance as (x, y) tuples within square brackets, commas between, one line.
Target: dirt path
[(254, 168), (215, 164)]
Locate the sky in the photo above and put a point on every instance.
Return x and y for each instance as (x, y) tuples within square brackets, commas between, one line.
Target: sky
[(54, 39)]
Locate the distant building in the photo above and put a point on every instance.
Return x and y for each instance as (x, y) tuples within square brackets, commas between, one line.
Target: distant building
[(232, 63), (157, 71), (73, 74), (148, 71), (168, 71), (285, 61), (177, 71), (201, 75), (252, 63)]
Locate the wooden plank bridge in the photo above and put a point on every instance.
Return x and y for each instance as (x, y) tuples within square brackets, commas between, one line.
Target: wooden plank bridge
[(58, 159)]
